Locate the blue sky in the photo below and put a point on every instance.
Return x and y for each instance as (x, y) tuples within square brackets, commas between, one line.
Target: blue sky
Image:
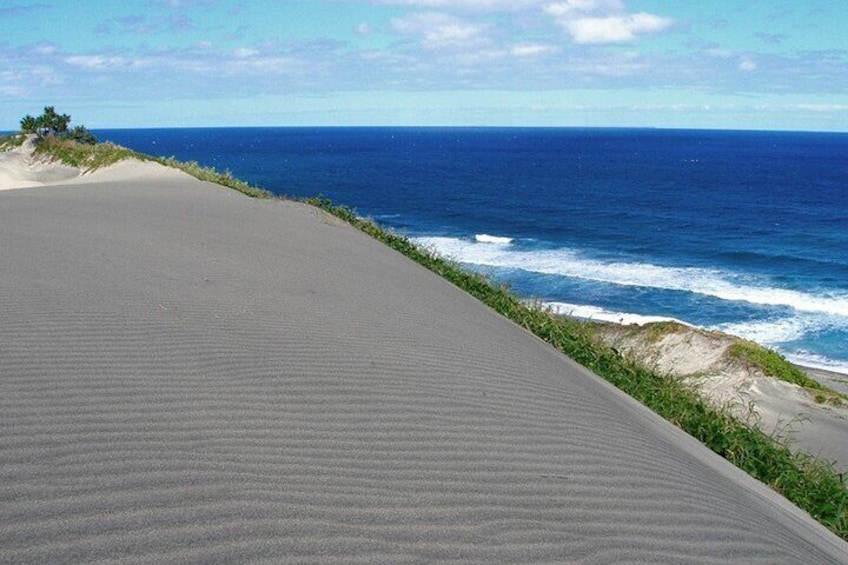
[(756, 64)]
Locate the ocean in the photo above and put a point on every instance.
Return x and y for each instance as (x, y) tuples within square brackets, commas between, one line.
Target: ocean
[(744, 232)]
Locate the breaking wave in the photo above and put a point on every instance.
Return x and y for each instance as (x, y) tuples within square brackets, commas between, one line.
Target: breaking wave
[(574, 264)]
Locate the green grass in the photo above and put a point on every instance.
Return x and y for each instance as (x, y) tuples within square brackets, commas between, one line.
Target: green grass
[(9, 142), (772, 364), (656, 331), (775, 365), (84, 157), (209, 174), (811, 484)]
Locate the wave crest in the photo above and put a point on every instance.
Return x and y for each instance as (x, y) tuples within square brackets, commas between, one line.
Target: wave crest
[(596, 313), (572, 264), (486, 238)]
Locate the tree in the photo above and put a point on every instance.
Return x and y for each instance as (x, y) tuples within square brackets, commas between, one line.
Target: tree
[(80, 134), (29, 124), (52, 123)]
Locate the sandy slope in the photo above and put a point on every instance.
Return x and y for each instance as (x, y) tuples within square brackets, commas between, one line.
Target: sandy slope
[(188, 375), (19, 168)]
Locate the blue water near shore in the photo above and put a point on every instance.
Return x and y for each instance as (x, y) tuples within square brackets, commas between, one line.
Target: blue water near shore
[(746, 232)]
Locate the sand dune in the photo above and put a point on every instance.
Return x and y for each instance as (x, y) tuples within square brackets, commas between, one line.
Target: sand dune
[(19, 168), (188, 375)]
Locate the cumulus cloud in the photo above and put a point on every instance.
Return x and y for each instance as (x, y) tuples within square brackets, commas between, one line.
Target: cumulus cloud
[(604, 21), (614, 29), (438, 30)]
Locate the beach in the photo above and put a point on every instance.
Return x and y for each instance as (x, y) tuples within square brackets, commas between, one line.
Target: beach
[(191, 375)]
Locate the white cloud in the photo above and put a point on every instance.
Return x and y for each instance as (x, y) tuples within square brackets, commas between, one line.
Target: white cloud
[(531, 50), (604, 21), (747, 65), (440, 30), (615, 29), (46, 48), (99, 62), (579, 8), (825, 108)]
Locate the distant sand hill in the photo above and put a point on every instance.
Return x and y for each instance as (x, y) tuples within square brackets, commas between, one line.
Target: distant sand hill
[(20, 168), (778, 408)]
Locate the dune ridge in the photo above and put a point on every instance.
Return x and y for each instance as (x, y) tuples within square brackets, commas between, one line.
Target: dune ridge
[(191, 375)]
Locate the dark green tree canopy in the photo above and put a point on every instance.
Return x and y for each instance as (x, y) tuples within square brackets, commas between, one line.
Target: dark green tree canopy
[(52, 123), (29, 124)]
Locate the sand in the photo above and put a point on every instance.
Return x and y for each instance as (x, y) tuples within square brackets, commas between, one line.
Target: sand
[(20, 168), (189, 375)]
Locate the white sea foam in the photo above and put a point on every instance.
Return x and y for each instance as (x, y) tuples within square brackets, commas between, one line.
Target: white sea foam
[(486, 238), (596, 313), (771, 331), (779, 333), (570, 263)]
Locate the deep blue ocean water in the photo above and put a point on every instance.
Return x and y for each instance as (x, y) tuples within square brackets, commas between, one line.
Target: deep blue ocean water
[(746, 232)]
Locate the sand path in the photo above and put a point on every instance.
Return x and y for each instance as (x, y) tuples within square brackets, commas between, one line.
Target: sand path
[(189, 375)]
